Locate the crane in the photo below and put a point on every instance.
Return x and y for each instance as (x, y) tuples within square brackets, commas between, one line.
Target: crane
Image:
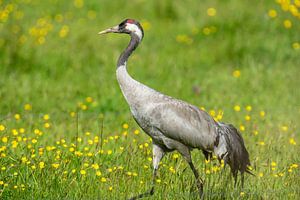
[(174, 124)]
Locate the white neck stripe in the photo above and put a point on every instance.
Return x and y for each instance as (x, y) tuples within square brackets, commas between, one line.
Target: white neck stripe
[(134, 29)]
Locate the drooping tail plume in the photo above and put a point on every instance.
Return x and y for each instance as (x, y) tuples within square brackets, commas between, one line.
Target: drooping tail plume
[(232, 150)]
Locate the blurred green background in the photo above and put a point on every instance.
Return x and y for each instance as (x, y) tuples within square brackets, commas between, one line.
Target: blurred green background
[(51, 55), (237, 59)]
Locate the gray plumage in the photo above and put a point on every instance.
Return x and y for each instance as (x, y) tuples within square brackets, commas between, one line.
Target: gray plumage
[(174, 124)]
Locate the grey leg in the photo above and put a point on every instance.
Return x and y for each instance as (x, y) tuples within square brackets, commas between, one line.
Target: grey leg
[(158, 154), (185, 152)]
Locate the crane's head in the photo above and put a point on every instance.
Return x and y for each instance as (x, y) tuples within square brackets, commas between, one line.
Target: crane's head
[(128, 26)]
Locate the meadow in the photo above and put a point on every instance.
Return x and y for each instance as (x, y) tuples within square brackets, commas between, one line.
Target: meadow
[(66, 131)]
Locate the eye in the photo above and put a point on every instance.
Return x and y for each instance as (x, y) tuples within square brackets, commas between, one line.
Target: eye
[(122, 24)]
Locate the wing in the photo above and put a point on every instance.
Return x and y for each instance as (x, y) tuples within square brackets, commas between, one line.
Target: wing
[(184, 123)]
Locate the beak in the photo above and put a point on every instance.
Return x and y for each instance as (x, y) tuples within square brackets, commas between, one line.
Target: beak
[(114, 29)]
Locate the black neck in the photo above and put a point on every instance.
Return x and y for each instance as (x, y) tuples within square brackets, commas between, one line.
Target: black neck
[(134, 42)]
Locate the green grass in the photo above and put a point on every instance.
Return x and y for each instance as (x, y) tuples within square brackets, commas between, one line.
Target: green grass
[(56, 77)]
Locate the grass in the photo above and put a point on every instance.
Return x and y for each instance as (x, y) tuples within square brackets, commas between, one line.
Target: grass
[(53, 64)]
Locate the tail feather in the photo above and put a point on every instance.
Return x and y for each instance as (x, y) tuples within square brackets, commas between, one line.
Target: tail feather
[(231, 142)]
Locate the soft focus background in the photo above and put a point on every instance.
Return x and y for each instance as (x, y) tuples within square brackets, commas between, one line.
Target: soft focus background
[(66, 131)]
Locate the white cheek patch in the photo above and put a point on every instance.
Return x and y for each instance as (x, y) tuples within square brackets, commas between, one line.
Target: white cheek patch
[(135, 29)]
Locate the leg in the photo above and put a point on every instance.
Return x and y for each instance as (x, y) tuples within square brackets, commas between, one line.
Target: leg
[(199, 181), (234, 174), (242, 179), (185, 152), (158, 154)]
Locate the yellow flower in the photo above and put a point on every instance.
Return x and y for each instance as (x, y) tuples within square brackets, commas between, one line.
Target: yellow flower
[(280, 174), (236, 73), (125, 133), (82, 172), (64, 32), (158, 181), (146, 25), (219, 115), (175, 156), (89, 99), (125, 126), (59, 18), (109, 152), (41, 165), (27, 106), (91, 14), (72, 114), (98, 173), (184, 39), (296, 45), (255, 132), (110, 188), (17, 116), (2, 127), (284, 128), (1, 183), (261, 143), (260, 174), (136, 132), (4, 139), (47, 125), (24, 159), (211, 12), (237, 108), (103, 179), (55, 165), (273, 164), (287, 24), (247, 118), (86, 164), (262, 113), (34, 141), (292, 141), (14, 132), (212, 113), (129, 173), (46, 117), (242, 128), (272, 13), (242, 194), (249, 108), (172, 169), (41, 40), (78, 3), (22, 130), (294, 166)]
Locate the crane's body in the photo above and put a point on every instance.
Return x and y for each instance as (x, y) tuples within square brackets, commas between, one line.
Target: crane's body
[(166, 119), (174, 124)]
